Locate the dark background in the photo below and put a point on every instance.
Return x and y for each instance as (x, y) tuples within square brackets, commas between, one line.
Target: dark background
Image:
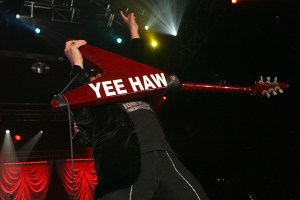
[(239, 146)]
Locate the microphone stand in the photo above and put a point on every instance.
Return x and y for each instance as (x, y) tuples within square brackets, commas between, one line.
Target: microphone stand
[(63, 103)]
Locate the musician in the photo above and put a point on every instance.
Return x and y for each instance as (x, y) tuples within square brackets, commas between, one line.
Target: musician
[(132, 156)]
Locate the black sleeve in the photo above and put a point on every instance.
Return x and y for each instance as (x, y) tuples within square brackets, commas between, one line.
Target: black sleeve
[(83, 118), (137, 49), (80, 77)]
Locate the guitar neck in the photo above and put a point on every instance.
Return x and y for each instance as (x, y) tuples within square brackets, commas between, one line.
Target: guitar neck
[(219, 88)]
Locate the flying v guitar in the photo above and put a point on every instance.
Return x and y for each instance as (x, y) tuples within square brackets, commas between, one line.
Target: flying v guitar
[(125, 79)]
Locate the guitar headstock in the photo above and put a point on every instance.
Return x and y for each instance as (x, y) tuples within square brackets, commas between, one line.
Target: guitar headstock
[(268, 87)]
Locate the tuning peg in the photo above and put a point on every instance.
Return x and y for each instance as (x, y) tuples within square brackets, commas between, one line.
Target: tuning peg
[(271, 90), (268, 79), (265, 92), (277, 88), (275, 80), (261, 80)]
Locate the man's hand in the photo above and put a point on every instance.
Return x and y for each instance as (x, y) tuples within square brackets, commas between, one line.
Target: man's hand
[(130, 22), (72, 52)]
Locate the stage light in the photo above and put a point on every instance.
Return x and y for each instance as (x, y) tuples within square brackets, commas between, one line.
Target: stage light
[(154, 44), (7, 152), (159, 102), (30, 144), (174, 33), (119, 40), (18, 16), (37, 30), (18, 137), (167, 15), (147, 27), (234, 1)]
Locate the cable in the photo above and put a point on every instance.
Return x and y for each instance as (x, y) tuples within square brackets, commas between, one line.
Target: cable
[(62, 97), (62, 102), (67, 86)]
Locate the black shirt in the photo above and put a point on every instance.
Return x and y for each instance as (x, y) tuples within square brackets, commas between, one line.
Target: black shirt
[(147, 126)]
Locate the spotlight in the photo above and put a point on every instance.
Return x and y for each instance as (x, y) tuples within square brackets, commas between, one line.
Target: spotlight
[(154, 44), (174, 33), (119, 40), (37, 30), (7, 131), (147, 27), (159, 102), (18, 16), (18, 137), (234, 1), (167, 15)]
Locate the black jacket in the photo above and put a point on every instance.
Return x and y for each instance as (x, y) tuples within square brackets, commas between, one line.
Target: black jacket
[(116, 149)]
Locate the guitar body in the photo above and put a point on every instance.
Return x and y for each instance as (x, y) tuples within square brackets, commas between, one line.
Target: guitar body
[(124, 79)]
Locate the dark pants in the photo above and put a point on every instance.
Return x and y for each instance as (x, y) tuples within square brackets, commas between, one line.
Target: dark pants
[(163, 177)]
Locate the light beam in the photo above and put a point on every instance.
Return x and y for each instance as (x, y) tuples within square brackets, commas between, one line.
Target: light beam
[(166, 15)]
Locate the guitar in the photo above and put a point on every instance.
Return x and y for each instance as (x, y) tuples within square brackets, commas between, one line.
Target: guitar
[(261, 87), (124, 79)]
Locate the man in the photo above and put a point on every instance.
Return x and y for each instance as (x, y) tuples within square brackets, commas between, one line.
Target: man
[(132, 156)]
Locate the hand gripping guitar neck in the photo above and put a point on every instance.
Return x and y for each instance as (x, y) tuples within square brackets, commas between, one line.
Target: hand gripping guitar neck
[(124, 79)]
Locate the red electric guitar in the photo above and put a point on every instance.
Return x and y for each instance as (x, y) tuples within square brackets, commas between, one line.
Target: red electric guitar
[(125, 79)]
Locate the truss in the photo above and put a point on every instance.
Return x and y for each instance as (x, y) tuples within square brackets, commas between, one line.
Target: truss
[(51, 10), (68, 11), (27, 112)]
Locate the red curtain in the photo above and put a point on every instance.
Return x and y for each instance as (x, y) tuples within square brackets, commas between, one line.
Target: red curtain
[(85, 179), (25, 180)]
